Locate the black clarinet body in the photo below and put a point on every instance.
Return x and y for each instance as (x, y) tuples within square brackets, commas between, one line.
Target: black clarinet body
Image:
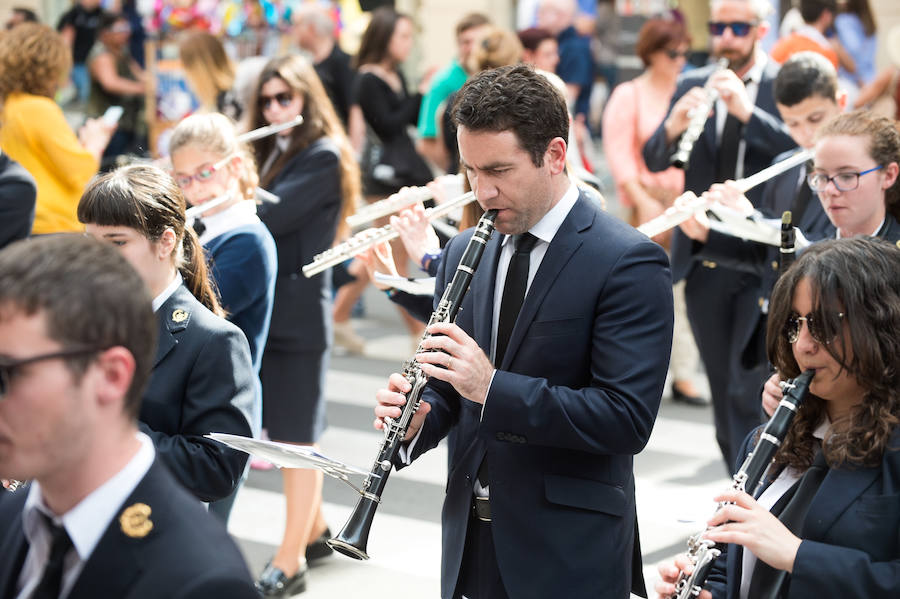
[(787, 250), (702, 552), (353, 538)]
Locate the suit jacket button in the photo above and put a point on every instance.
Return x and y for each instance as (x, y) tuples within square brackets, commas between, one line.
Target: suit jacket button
[(774, 265)]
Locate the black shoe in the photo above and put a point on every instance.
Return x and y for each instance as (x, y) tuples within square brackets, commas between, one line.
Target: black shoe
[(319, 548), (691, 400), (273, 583)]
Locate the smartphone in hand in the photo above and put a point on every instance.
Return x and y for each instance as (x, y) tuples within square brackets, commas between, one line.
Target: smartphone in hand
[(112, 115)]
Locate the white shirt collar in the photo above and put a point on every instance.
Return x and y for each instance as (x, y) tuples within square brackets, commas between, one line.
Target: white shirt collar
[(160, 299), (237, 215), (755, 73), (874, 233), (546, 228)]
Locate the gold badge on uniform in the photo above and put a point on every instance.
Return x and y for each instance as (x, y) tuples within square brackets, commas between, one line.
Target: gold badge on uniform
[(179, 315), (898, 243), (135, 520)]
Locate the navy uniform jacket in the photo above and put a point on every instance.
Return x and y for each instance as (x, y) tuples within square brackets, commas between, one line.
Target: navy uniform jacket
[(851, 536), (202, 382), (574, 399), (17, 197), (303, 223), (765, 134), (186, 553), (243, 263), (763, 260)]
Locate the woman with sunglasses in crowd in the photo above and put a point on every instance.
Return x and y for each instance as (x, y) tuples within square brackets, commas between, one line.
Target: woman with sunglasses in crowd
[(311, 168), (836, 312), (214, 169), (202, 378)]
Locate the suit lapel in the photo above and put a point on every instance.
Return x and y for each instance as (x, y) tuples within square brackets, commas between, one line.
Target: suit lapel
[(172, 317), (564, 244), (840, 488), (116, 560), (14, 549), (482, 290)]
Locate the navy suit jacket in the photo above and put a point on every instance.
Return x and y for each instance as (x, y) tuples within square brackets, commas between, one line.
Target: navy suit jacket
[(18, 194), (574, 399), (304, 223), (202, 382), (851, 536), (765, 134), (187, 553)]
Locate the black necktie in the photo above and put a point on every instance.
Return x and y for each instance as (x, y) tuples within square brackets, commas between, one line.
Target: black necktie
[(513, 296), (51, 580), (767, 582), (726, 162), (801, 201), (513, 292)]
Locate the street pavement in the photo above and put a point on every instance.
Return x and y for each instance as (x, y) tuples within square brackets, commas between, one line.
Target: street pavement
[(677, 475)]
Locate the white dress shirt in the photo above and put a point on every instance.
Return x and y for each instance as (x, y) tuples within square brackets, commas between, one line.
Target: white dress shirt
[(85, 523), (238, 215), (166, 293), (751, 84)]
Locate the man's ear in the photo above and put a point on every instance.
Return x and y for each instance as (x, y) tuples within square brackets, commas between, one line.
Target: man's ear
[(555, 155), (116, 369)]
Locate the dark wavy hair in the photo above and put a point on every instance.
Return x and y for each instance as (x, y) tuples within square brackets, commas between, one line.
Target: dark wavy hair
[(319, 120), (516, 99), (861, 278), (376, 39), (146, 198)]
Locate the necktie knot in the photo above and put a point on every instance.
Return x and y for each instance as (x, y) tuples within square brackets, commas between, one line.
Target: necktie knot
[(525, 243)]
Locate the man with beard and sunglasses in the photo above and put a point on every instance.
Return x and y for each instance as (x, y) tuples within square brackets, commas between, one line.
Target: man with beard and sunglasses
[(741, 137)]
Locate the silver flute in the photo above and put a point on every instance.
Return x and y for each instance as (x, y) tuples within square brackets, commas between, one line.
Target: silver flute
[(702, 552), (691, 204), (698, 116), (269, 130), (396, 202), (374, 236)]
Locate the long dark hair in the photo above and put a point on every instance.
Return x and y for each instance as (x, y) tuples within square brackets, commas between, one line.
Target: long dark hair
[(319, 120), (859, 277), (373, 47), (146, 198), (862, 9)]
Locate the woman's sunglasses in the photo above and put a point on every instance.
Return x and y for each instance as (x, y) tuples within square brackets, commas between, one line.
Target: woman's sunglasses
[(283, 98)]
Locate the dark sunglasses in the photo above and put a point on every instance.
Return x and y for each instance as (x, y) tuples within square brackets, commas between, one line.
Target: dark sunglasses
[(738, 28), (673, 54), (819, 331), (8, 368), (283, 99)]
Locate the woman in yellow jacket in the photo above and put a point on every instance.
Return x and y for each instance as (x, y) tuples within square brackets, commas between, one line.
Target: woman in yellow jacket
[(34, 60)]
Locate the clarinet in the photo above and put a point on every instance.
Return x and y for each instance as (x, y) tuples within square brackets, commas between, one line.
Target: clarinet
[(352, 539), (787, 253), (698, 116), (703, 552)]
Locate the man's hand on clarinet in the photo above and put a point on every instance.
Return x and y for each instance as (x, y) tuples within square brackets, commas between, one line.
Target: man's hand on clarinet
[(457, 360), (391, 402)]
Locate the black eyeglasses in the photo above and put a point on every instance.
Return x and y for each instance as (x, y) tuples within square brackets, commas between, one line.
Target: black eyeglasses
[(817, 330), (738, 28), (673, 54), (8, 367), (283, 98), (842, 181)]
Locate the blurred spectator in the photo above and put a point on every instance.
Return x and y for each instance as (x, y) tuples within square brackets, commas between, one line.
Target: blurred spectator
[(210, 72), (855, 28), (818, 17), (605, 44), (138, 35), (469, 30), (497, 48), (539, 48), (883, 93), (17, 197), (633, 112), (34, 61), (576, 65), (117, 80), (20, 15), (79, 27)]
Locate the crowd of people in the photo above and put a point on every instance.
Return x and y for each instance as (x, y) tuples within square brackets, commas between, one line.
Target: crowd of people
[(147, 301)]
